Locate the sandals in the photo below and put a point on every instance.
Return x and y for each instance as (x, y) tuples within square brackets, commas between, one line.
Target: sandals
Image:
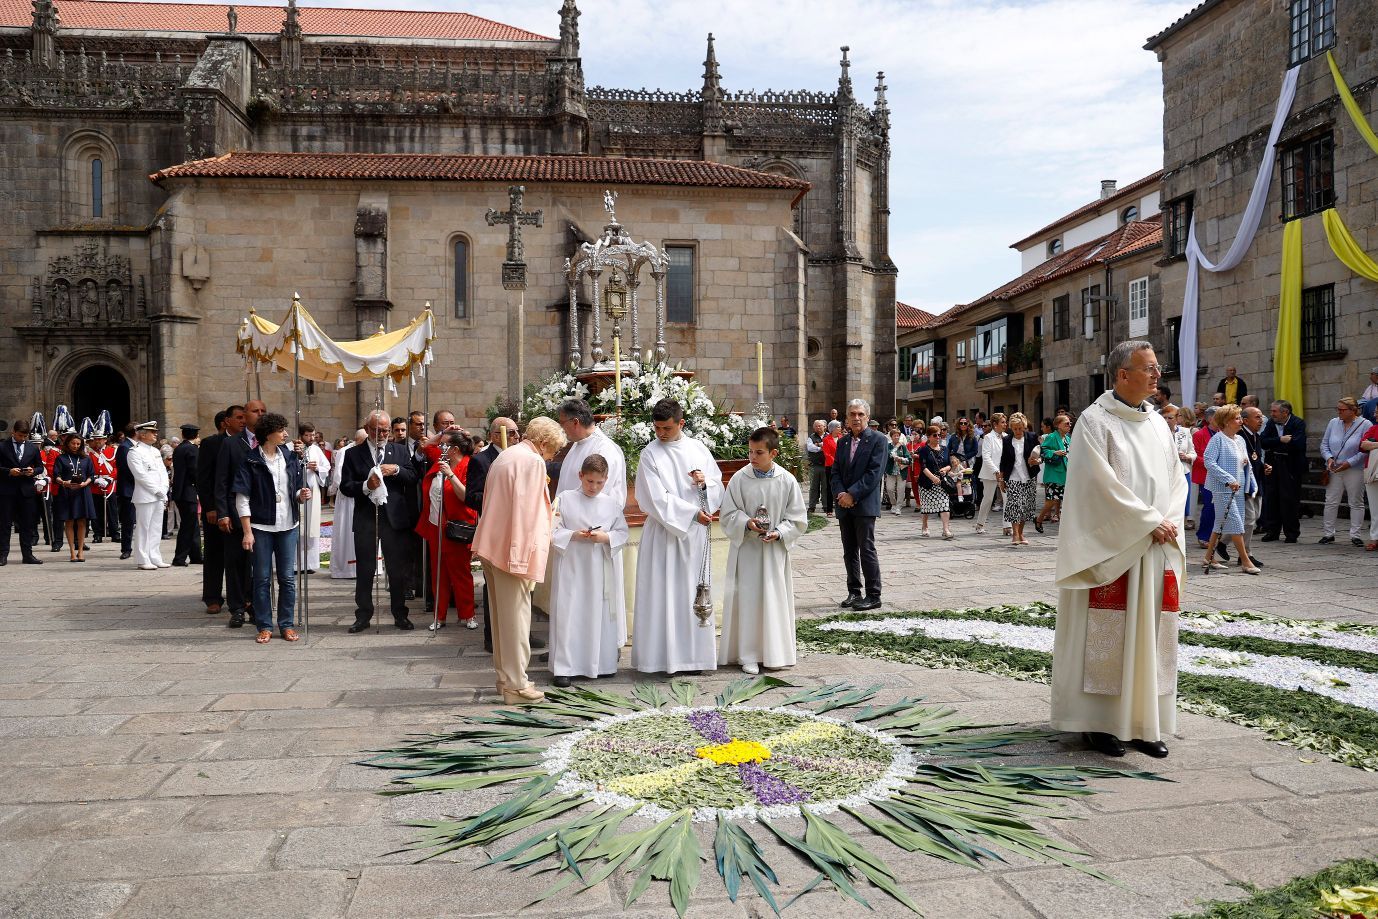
[(264, 637), (290, 634)]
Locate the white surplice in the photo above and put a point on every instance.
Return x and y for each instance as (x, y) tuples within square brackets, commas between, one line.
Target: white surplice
[(758, 606), (615, 488), (1115, 653), (343, 563), (588, 615), (668, 636), (311, 522)]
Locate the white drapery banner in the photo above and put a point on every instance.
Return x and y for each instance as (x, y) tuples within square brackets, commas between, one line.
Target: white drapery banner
[(1244, 238), (299, 345)]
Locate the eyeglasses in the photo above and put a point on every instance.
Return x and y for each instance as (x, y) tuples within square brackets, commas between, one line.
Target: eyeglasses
[(1149, 369)]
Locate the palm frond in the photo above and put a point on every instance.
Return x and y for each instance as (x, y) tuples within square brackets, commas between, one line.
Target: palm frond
[(652, 695), (817, 693), (871, 712), (411, 786), (675, 857), (684, 691), (827, 836), (748, 687), (828, 865), (568, 840), (843, 700), (738, 856)]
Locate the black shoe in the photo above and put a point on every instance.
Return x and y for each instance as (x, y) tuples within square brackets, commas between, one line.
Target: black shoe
[(1356, 542), (1254, 559), (177, 564), (358, 626), (1290, 539), (430, 607), (236, 621), (1154, 748), (1221, 551), (869, 603), (1324, 541), (1108, 744), (56, 548), (561, 681), (1269, 537), (197, 561), (852, 600), (125, 555), (487, 649), (99, 540), (33, 560), (404, 623), (4, 562)]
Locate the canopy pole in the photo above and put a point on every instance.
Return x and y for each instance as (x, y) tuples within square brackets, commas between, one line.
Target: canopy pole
[(303, 525)]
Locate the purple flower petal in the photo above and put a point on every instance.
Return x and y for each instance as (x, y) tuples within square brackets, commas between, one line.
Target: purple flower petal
[(711, 724), (767, 788)]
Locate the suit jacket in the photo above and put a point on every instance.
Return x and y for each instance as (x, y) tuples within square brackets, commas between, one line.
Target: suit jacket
[(1241, 392), (398, 511), (124, 479), (18, 485), (1255, 453), (1293, 454), (861, 477), (205, 470), (227, 463), (184, 472), (1007, 458), (478, 476)]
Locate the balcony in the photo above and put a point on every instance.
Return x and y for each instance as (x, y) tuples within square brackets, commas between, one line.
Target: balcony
[(1025, 361), (929, 379)]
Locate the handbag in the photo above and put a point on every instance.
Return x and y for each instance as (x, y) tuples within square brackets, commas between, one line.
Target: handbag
[(459, 531)]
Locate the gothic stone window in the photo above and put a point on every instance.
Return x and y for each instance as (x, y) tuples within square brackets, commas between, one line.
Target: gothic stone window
[(1177, 215), (1318, 320), (1062, 317), (1313, 29), (89, 177), (459, 254), (679, 284), (1308, 176)]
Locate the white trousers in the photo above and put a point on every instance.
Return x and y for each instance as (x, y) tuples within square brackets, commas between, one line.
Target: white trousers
[(1252, 507), (1372, 489), (148, 534), (988, 492), (1349, 482)]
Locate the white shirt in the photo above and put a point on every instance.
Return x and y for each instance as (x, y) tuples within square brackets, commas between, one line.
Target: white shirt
[(277, 468)]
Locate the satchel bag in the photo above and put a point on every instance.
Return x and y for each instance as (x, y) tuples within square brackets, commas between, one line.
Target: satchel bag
[(458, 531)]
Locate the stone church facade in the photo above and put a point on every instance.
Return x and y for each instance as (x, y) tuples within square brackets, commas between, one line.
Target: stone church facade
[(170, 168)]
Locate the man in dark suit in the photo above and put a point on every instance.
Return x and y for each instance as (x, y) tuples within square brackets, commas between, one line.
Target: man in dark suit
[(413, 443), (238, 563), (379, 464), (856, 479), (1283, 440), (124, 491), (1253, 504), (20, 462), (213, 568), (473, 492), (184, 462)]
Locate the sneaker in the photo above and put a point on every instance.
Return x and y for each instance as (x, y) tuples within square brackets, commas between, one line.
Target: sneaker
[(751, 669), (436, 626), (471, 623), (1325, 540)]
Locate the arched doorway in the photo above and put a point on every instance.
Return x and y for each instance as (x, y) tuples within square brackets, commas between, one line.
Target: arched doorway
[(101, 387)]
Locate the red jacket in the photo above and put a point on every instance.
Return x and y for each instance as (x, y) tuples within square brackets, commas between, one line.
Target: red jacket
[(829, 449), (455, 508), (1200, 438), (104, 464)]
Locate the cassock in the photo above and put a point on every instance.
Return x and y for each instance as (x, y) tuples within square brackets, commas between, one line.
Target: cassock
[(758, 603), (668, 636), (342, 558), (311, 524), (1115, 653), (615, 488), (588, 616)]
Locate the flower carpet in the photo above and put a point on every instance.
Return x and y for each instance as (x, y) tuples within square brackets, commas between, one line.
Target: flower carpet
[(1309, 683), (604, 782)]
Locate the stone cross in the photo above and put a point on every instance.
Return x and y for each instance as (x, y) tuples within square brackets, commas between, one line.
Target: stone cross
[(514, 267)]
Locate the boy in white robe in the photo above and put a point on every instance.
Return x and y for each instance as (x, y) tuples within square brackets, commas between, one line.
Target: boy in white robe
[(758, 609), (588, 614), (668, 637)]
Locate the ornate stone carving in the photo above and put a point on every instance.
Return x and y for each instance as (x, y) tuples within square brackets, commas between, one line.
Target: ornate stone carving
[(514, 267), (87, 288)]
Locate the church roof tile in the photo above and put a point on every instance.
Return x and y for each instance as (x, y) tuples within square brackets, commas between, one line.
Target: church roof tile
[(250, 164), (210, 18)]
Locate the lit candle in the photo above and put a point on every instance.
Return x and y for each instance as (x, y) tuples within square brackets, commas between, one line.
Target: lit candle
[(760, 374), (617, 371)]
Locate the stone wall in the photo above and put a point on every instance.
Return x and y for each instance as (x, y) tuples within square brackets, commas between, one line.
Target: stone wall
[(1221, 76)]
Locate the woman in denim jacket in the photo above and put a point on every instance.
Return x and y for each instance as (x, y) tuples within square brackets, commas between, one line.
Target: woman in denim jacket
[(1229, 479), (268, 492)]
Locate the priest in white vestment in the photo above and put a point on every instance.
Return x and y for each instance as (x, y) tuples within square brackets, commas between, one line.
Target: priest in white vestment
[(343, 562), (758, 604), (316, 472), (668, 636), (588, 615), (1120, 561)]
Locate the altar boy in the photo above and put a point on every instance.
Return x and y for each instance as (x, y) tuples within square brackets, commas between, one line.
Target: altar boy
[(588, 615), (762, 514)]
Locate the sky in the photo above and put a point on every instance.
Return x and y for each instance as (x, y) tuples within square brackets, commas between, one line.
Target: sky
[(1005, 115)]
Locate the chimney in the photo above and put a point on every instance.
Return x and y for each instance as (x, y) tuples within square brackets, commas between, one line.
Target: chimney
[(1107, 188)]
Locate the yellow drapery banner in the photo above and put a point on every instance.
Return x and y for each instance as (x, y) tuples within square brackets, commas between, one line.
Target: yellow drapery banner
[(1355, 113), (1346, 249), (298, 342), (1287, 347)]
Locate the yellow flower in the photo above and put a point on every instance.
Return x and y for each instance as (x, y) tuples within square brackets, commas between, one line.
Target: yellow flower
[(807, 732), (734, 752), (650, 783)]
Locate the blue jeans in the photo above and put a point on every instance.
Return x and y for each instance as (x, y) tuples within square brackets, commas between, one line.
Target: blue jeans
[(1207, 522), (269, 548)]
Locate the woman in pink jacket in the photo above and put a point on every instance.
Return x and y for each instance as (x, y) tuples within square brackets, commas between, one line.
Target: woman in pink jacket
[(512, 542)]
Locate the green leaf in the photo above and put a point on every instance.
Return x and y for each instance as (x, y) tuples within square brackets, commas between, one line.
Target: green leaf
[(652, 695), (457, 783), (827, 836), (684, 691), (674, 857), (870, 713), (739, 857), (740, 690), (817, 693), (855, 697), (826, 862)]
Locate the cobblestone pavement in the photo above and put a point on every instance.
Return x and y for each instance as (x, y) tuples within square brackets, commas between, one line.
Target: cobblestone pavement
[(159, 764)]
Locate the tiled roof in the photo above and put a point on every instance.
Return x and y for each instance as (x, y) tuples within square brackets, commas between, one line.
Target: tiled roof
[(453, 168), (1094, 206), (1134, 237), (206, 18), (1186, 18), (911, 317)]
